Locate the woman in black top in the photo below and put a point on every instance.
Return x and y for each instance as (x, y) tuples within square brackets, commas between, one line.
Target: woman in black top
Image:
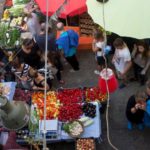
[(134, 112), (31, 54)]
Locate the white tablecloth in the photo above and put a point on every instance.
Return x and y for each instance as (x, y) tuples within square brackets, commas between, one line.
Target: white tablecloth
[(93, 130)]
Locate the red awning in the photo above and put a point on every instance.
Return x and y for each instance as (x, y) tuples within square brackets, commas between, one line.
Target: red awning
[(72, 8)]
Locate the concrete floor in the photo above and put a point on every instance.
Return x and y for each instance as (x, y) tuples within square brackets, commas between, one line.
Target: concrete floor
[(120, 136)]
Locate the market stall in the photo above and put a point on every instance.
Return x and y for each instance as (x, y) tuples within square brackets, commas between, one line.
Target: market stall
[(64, 107)]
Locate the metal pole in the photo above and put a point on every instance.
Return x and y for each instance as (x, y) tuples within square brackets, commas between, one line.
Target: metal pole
[(45, 90)]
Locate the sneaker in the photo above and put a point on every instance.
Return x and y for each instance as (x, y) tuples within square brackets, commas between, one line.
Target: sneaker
[(130, 126), (140, 126), (122, 86), (97, 72)]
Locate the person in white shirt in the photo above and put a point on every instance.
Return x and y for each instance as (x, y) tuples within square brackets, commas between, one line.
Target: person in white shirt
[(121, 60)]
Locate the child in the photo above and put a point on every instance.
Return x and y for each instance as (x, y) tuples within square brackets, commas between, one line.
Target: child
[(121, 60), (55, 65), (134, 109), (39, 80), (97, 47), (20, 71), (141, 61)]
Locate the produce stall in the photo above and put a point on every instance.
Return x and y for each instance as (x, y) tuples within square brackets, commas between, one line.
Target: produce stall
[(67, 110)]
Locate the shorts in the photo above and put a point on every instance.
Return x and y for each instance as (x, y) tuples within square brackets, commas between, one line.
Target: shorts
[(100, 60)]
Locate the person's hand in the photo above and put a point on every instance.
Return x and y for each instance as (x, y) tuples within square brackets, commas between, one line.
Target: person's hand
[(24, 78), (142, 107), (137, 106), (94, 41), (135, 47), (133, 110), (143, 72), (2, 64), (35, 88), (113, 60)]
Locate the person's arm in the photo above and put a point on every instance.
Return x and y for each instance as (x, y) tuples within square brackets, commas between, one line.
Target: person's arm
[(128, 66), (130, 108), (146, 67), (43, 88), (134, 51), (94, 48)]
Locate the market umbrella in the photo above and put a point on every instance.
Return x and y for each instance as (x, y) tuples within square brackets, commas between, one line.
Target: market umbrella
[(73, 7), (129, 18)]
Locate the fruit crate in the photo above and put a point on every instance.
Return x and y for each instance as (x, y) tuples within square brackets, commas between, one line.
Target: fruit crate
[(85, 144)]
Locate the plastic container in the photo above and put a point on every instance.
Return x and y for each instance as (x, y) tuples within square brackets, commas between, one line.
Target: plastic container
[(86, 143)]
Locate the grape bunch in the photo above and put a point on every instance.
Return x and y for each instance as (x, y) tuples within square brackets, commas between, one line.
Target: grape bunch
[(89, 110)]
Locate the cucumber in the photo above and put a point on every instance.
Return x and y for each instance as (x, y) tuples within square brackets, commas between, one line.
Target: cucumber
[(88, 123), (84, 119)]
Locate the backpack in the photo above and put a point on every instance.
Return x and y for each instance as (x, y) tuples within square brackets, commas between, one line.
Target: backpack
[(73, 38)]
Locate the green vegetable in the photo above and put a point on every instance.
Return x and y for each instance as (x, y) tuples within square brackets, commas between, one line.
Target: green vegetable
[(88, 123), (8, 36), (16, 2), (66, 128), (17, 11), (84, 119)]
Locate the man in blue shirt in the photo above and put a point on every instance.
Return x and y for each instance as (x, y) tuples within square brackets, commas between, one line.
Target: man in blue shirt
[(69, 51)]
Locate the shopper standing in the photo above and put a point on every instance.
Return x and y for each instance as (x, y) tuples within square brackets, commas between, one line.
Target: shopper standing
[(64, 44), (121, 60), (141, 61)]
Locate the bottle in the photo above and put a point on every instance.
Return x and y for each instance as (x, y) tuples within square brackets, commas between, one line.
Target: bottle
[(34, 120)]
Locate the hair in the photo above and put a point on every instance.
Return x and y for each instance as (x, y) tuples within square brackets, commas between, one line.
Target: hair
[(145, 53), (27, 42), (60, 26), (33, 73), (43, 28), (140, 95), (118, 42), (97, 34), (148, 84), (16, 62), (53, 57)]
